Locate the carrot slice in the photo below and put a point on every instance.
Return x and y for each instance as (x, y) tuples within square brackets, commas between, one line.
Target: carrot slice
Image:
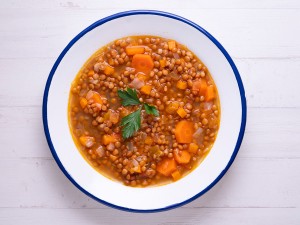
[(184, 131), (108, 70), (200, 86), (95, 96), (166, 167), (83, 102), (148, 140), (142, 76), (182, 157), (210, 93), (142, 63), (181, 85), (176, 175), (87, 141), (162, 63), (172, 107), (132, 50), (91, 73), (146, 89), (181, 112), (112, 115), (171, 45), (193, 148), (107, 139)]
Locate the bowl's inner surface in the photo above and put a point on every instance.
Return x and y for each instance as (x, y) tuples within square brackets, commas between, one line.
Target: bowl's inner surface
[(160, 196)]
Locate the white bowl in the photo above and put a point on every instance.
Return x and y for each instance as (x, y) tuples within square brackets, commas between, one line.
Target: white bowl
[(151, 199)]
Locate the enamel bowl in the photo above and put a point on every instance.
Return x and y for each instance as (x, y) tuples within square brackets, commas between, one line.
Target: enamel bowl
[(150, 199)]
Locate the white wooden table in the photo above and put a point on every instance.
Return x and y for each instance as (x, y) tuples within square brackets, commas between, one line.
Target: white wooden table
[(263, 184)]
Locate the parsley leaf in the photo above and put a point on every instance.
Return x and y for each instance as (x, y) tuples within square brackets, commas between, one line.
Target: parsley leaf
[(129, 97), (131, 123), (150, 109)]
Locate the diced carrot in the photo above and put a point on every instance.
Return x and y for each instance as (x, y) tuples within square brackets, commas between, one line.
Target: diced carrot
[(181, 112), (87, 141), (184, 131), (196, 85), (171, 45), (136, 169), (113, 157), (142, 63), (132, 50), (155, 150), (200, 86), (176, 175), (107, 139), (91, 73), (182, 157), (148, 140), (146, 89), (210, 93), (166, 167), (142, 76), (162, 63), (108, 70), (123, 111), (83, 102), (106, 116), (172, 107), (112, 116), (95, 96), (193, 148), (181, 85)]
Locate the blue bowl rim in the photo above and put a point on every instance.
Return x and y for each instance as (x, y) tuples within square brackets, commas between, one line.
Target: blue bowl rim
[(156, 13)]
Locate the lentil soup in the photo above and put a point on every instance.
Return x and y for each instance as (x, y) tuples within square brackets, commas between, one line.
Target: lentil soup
[(144, 110)]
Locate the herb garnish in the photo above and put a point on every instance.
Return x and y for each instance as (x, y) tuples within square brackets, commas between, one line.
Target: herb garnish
[(132, 122), (150, 109), (129, 97)]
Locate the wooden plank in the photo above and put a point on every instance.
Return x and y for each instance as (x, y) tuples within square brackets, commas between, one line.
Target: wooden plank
[(176, 4), (24, 86), (250, 183), (270, 133), (268, 82), (24, 134), (24, 31), (212, 216), (262, 186)]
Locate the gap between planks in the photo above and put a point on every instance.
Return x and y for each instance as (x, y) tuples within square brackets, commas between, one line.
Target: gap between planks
[(103, 207)]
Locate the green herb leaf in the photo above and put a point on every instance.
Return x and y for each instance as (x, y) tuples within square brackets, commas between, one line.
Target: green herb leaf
[(150, 109), (131, 123), (129, 97)]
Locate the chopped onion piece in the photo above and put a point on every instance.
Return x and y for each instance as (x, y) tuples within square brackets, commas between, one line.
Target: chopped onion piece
[(137, 83), (198, 136), (207, 106), (100, 151)]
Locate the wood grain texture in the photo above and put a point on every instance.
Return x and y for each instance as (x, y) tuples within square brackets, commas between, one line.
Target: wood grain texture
[(261, 77), (257, 33), (216, 216), (270, 133), (250, 183), (261, 187)]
